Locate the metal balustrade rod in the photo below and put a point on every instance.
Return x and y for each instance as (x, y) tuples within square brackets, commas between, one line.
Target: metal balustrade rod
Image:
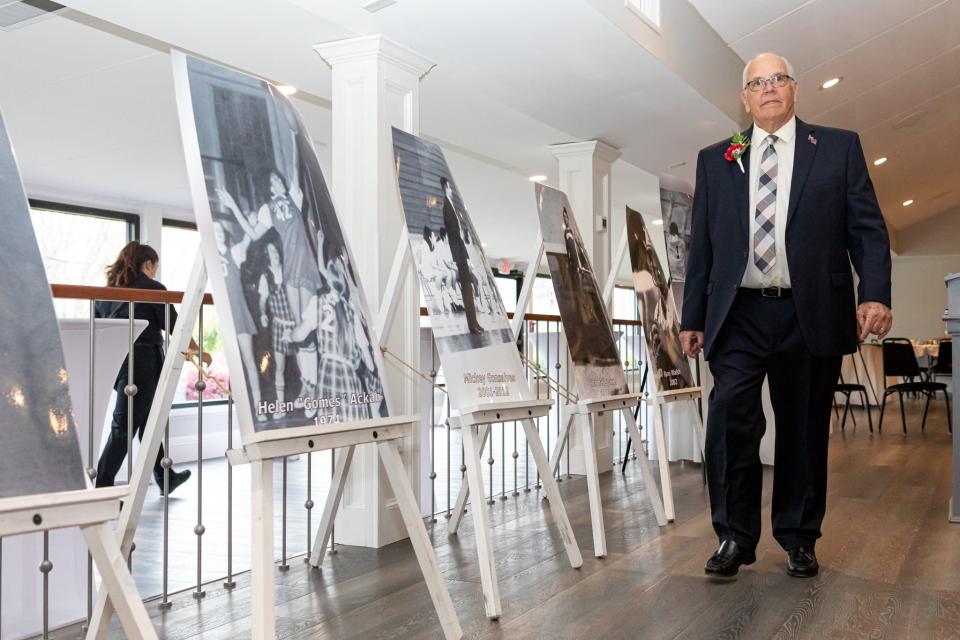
[(490, 462), (503, 462), (567, 384), (526, 448), (449, 476), (433, 439), (230, 583), (515, 456), (333, 525), (308, 505), (91, 470), (199, 530), (283, 520), (166, 463), (130, 390), (45, 568)]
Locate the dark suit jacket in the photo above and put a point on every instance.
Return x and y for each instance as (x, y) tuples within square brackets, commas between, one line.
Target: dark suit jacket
[(833, 219)]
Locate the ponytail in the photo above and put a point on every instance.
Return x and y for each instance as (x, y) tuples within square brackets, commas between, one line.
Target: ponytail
[(128, 265)]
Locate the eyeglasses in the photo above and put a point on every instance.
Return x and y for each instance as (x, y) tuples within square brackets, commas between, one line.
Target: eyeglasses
[(777, 80)]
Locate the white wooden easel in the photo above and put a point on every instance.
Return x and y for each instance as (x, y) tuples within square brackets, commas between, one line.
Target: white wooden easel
[(260, 450), (469, 420), (91, 510), (586, 411), (661, 398)]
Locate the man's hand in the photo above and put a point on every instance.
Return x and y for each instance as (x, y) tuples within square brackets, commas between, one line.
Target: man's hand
[(691, 342), (873, 317)]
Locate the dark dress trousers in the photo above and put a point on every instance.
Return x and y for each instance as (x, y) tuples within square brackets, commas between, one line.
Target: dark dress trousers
[(147, 364), (797, 342)]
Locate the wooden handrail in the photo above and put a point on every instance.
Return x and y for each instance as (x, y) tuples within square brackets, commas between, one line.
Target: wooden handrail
[(80, 292), (122, 294)]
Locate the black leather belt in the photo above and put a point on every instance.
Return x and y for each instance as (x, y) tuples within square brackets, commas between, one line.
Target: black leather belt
[(768, 292)]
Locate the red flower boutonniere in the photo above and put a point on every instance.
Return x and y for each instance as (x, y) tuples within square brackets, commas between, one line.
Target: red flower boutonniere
[(738, 144)]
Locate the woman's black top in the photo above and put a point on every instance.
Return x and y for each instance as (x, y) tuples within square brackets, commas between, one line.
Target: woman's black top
[(150, 311)]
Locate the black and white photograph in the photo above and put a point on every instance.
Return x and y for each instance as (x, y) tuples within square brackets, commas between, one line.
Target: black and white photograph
[(598, 370), (301, 322), (466, 311), (676, 209), (39, 451), (658, 313)]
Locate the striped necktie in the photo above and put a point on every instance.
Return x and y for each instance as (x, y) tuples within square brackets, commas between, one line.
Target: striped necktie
[(764, 241)]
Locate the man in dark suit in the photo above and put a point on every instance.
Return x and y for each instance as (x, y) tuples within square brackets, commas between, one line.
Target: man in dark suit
[(769, 293)]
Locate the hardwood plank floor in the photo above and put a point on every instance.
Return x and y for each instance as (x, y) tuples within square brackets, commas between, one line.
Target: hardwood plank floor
[(890, 565)]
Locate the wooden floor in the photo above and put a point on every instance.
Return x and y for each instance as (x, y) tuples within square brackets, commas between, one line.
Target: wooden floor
[(890, 566)]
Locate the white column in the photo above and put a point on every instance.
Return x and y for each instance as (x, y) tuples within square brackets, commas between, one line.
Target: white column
[(376, 86), (584, 170)]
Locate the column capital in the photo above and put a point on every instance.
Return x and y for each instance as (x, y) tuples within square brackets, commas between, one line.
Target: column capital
[(374, 47), (591, 148)]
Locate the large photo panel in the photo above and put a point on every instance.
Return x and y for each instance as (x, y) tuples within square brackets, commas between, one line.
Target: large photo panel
[(291, 308), (597, 369), (39, 451), (470, 326), (658, 313)]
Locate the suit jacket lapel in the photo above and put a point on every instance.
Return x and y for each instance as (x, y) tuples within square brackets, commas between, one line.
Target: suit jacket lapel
[(741, 183), (804, 150)]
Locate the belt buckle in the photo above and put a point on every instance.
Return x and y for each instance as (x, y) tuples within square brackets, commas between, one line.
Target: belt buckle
[(766, 292)]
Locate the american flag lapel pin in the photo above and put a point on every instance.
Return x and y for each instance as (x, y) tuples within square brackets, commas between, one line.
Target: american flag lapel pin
[(812, 138)]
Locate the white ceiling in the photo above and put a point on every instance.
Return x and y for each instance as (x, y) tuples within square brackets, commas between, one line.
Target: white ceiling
[(895, 58), (89, 99)]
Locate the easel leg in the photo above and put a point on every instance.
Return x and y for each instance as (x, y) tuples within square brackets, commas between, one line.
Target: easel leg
[(593, 488), (481, 525), (117, 583), (648, 482), (263, 622), (461, 505), (397, 476), (663, 461), (563, 439), (553, 494), (331, 506)]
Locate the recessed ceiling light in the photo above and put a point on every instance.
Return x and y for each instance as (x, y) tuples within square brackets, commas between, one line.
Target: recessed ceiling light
[(829, 84), (286, 89), (879, 161), (907, 203), (537, 178), (658, 222)]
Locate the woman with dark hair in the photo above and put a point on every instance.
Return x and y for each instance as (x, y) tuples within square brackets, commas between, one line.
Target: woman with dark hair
[(136, 268)]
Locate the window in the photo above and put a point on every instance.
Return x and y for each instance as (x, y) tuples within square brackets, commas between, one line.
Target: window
[(647, 10), (509, 288), (179, 243), (77, 244)]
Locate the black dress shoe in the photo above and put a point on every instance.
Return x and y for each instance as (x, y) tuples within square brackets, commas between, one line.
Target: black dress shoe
[(726, 561), (177, 478), (802, 562)]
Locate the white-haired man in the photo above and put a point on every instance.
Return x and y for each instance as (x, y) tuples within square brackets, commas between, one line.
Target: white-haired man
[(779, 213)]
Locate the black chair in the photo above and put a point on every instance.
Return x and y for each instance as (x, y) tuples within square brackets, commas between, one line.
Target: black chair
[(944, 364), (899, 360), (847, 389)]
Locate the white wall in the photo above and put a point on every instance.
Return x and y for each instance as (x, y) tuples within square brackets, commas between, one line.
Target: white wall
[(919, 294)]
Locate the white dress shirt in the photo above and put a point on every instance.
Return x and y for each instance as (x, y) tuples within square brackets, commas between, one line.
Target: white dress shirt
[(779, 274)]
